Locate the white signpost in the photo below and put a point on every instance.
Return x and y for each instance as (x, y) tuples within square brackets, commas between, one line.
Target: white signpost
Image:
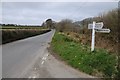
[(96, 27), (103, 30)]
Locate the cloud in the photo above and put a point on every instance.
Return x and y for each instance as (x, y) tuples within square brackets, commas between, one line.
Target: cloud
[(59, 0), (37, 12)]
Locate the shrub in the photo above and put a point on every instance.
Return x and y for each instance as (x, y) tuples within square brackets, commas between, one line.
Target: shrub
[(16, 34)]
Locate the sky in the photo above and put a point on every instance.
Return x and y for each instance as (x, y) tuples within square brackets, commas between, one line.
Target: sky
[(35, 13)]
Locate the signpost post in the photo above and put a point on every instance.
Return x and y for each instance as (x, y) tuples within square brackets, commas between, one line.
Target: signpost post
[(96, 27), (93, 37)]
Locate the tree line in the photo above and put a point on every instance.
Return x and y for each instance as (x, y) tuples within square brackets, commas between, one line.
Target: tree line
[(17, 25)]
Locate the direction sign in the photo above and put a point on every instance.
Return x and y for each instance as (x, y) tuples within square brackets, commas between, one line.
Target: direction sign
[(97, 25), (103, 30)]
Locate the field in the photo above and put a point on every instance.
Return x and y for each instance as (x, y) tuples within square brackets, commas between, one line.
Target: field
[(98, 63), (12, 33)]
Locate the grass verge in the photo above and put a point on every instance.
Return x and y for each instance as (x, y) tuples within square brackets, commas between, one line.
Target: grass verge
[(98, 63)]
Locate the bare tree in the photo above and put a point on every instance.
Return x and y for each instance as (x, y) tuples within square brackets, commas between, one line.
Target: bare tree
[(65, 25)]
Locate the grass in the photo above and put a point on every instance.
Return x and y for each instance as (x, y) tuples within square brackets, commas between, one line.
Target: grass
[(98, 63)]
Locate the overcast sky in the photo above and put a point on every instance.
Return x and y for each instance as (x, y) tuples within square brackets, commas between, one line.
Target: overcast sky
[(36, 12)]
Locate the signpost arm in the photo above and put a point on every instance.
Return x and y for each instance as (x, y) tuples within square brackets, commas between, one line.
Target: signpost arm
[(93, 37)]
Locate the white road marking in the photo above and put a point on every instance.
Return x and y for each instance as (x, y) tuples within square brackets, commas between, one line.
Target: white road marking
[(35, 69), (42, 62), (29, 77), (44, 58), (34, 77), (47, 55)]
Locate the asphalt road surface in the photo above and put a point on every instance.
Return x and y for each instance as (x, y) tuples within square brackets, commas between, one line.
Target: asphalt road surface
[(29, 58)]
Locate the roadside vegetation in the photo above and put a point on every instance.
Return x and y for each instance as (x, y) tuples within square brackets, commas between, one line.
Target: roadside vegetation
[(72, 43), (12, 33), (98, 63), (13, 27), (103, 40)]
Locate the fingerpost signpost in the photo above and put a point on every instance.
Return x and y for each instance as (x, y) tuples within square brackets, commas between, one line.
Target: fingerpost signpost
[(96, 27)]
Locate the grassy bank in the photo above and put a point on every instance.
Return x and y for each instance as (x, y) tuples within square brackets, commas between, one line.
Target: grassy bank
[(98, 63), (9, 35)]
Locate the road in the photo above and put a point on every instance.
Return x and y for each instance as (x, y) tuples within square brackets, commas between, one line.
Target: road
[(29, 58)]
